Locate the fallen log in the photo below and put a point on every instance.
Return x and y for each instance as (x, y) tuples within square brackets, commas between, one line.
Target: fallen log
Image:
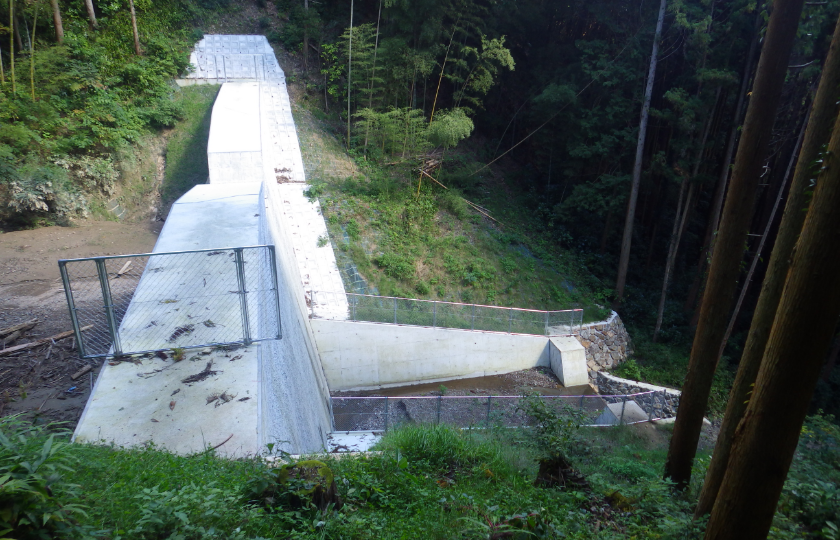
[(42, 341), (81, 372), (18, 327), (10, 339)]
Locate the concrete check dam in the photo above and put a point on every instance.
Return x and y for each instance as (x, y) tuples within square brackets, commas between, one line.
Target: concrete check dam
[(277, 391)]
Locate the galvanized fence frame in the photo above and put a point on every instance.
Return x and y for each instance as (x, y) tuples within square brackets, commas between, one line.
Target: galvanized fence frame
[(262, 281), (381, 413), (440, 314)]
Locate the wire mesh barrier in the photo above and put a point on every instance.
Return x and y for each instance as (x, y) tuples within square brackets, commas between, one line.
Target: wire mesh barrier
[(384, 413), (436, 314), (129, 304)]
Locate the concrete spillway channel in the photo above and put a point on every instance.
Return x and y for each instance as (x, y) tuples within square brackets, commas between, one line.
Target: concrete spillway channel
[(275, 391)]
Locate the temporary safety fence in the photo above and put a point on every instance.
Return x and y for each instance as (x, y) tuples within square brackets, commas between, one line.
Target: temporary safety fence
[(384, 413), (436, 314), (130, 304)]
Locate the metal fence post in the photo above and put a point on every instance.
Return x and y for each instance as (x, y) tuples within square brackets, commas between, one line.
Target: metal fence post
[(386, 413), (109, 305), (473, 318), (395, 311), (487, 421), (434, 323), (273, 260), (581, 402), (652, 402), (546, 324), (243, 301), (510, 321), (623, 404), (439, 399), (74, 319), (355, 300)]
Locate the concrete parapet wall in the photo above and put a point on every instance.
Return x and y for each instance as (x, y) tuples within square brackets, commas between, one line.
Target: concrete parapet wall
[(358, 355), (607, 343), (296, 404)]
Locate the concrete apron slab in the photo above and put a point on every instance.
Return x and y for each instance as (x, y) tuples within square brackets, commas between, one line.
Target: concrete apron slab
[(147, 402), (132, 403)]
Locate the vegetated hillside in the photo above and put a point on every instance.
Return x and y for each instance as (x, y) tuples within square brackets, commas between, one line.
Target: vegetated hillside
[(397, 234), (91, 129)]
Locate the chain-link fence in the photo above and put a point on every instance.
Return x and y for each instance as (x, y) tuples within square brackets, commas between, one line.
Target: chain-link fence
[(130, 304), (435, 314), (384, 413)]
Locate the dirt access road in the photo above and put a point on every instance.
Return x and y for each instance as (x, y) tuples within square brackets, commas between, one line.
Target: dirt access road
[(37, 381)]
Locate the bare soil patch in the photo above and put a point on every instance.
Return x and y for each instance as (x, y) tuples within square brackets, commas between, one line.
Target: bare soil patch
[(38, 381)]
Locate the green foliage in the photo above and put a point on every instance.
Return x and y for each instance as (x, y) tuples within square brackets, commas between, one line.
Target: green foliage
[(667, 364), (353, 230), (190, 512), (428, 482), (395, 266), (33, 493), (186, 151), (93, 98), (449, 128), (554, 430), (441, 447)]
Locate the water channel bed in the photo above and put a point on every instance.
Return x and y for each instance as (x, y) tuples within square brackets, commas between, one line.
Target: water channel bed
[(539, 379)]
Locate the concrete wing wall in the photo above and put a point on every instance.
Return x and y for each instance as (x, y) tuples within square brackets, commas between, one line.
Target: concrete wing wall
[(358, 355)]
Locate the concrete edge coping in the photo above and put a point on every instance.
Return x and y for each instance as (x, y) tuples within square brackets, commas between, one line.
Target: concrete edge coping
[(613, 316), (641, 384)]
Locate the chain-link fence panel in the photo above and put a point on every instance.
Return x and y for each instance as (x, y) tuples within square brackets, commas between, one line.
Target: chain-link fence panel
[(435, 314), (383, 413), (143, 303), (359, 413)]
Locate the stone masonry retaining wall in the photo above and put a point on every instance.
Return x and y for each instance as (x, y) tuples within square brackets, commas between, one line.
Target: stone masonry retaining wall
[(662, 403), (607, 343)]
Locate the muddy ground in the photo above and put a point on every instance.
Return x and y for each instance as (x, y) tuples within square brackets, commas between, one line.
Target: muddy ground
[(38, 381)]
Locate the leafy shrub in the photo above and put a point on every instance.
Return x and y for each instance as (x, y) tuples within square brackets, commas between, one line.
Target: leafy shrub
[(301, 485), (313, 192), (33, 497), (478, 273), (353, 230), (395, 266), (629, 369), (450, 127), (191, 512), (554, 429)]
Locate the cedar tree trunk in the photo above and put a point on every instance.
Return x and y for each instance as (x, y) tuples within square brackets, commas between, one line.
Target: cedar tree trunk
[(626, 240), (823, 112), (59, 27), (766, 438), (91, 14), (137, 50), (729, 247), (720, 190)]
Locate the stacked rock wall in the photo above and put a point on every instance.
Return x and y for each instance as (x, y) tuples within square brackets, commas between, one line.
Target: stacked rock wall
[(607, 343), (662, 403)]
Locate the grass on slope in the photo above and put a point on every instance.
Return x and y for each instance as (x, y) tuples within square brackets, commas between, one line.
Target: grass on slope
[(432, 244), (428, 482), (186, 150)]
